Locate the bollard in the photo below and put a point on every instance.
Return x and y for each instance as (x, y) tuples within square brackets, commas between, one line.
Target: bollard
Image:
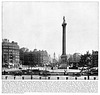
[(84, 78), (88, 77), (31, 77), (6, 77), (23, 78), (66, 78), (57, 78), (48, 77), (39, 77), (14, 77), (75, 78), (94, 78)]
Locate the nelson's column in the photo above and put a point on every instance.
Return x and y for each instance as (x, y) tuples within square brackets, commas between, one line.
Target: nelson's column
[(63, 56)]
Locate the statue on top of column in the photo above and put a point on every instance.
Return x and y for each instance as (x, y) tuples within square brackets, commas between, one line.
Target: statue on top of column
[(63, 19)]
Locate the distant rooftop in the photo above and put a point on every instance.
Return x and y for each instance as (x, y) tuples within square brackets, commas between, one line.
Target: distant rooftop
[(7, 41)]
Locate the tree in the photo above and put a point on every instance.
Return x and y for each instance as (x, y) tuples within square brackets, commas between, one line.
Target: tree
[(85, 60)]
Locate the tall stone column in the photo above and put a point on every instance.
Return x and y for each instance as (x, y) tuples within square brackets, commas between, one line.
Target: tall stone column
[(63, 56), (64, 37)]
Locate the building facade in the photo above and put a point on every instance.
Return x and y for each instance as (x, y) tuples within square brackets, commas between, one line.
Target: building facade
[(10, 53), (95, 58), (34, 58), (74, 59), (44, 57)]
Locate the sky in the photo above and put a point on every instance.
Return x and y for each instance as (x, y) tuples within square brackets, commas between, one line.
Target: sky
[(39, 25)]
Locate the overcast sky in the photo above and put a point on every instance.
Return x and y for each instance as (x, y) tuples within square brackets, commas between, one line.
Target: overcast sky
[(39, 24)]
